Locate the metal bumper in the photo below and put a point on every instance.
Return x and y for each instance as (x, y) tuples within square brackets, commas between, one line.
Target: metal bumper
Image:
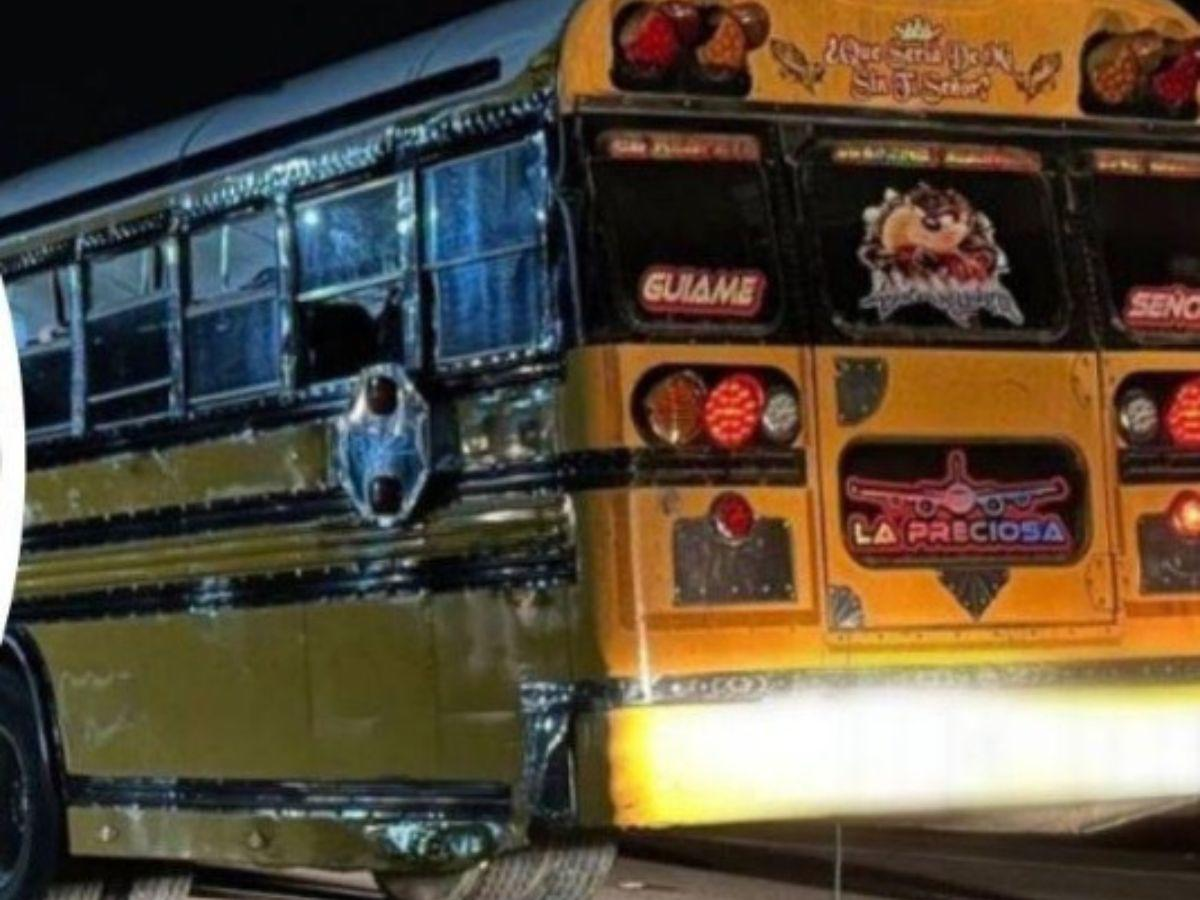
[(829, 750)]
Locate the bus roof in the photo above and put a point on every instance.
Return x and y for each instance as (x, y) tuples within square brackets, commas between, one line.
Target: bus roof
[(506, 37), (1050, 59)]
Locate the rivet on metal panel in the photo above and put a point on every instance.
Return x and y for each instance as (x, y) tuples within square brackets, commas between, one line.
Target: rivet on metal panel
[(257, 840)]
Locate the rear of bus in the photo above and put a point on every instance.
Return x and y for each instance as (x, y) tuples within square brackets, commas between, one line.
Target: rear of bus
[(904, 521)]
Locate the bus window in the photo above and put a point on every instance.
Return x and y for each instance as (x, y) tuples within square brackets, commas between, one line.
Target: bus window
[(353, 248), (687, 229), (1152, 260), (953, 242), (41, 319), (128, 359), (485, 226), (233, 324)]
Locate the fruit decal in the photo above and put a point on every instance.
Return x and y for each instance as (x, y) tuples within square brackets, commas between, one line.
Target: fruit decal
[(931, 247), (687, 46), (1142, 73)]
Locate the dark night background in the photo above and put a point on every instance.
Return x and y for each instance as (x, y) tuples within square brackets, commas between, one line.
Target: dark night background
[(74, 77)]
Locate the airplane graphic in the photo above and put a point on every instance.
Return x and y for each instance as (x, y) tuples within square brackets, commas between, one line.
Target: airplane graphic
[(957, 493)]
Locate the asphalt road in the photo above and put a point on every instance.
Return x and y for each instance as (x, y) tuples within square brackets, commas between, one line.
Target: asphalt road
[(1160, 861)]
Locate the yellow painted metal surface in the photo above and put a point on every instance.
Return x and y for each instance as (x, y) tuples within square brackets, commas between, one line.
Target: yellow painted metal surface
[(985, 57), (290, 460), (407, 687), (959, 396)]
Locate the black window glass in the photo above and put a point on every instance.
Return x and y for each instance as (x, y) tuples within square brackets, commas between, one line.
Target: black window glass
[(126, 278), (951, 251), (41, 314), (40, 310), (235, 257), (689, 243), (484, 219), (128, 356), (1150, 239), (350, 237)]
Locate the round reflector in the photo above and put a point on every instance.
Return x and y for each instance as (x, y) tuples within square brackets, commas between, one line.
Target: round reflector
[(733, 517), (733, 412), (1184, 515), (1138, 417), (1183, 415), (675, 408)]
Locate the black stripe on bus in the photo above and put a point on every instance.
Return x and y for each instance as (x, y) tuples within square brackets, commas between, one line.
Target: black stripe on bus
[(376, 797), (551, 564), (593, 470)]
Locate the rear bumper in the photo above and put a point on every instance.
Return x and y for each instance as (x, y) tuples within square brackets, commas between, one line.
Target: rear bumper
[(886, 750)]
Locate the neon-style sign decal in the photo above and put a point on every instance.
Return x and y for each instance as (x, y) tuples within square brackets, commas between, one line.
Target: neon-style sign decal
[(721, 293), (958, 516), (671, 146), (1172, 308), (931, 247)]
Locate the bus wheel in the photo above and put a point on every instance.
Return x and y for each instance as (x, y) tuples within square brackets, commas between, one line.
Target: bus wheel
[(30, 813), (560, 870)]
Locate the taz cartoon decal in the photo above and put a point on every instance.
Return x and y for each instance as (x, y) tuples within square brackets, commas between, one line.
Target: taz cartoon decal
[(958, 516), (682, 45), (930, 247)]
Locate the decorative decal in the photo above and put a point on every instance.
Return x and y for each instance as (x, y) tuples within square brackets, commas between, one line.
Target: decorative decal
[(1141, 73), (680, 146), (845, 609), (958, 516), (1173, 308), (930, 247), (676, 45), (919, 64), (795, 65), (671, 290), (861, 386), (974, 589)]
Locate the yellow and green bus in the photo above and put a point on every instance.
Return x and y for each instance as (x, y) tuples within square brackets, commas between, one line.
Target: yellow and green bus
[(605, 415)]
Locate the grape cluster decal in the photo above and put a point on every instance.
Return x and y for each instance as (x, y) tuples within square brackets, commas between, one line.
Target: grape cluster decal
[(686, 46)]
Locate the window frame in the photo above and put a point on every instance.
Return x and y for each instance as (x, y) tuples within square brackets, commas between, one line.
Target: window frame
[(200, 307), (169, 293), (608, 291), (317, 198), (1109, 303), (64, 297), (541, 245), (810, 158)]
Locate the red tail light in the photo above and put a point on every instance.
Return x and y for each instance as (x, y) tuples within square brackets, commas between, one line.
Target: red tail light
[(733, 517), (1184, 515), (734, 410), (1183, 415)]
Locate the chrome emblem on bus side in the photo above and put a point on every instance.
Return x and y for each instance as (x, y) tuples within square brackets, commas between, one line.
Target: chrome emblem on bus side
[(383, 453)]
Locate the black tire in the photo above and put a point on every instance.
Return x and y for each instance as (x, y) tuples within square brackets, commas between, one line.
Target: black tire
[(559, 870), (31, 824)]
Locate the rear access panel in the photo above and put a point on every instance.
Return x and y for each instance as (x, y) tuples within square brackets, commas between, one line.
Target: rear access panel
[(962, 491)]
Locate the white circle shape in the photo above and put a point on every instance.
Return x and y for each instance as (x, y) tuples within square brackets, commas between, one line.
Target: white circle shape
[(12, 458)]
